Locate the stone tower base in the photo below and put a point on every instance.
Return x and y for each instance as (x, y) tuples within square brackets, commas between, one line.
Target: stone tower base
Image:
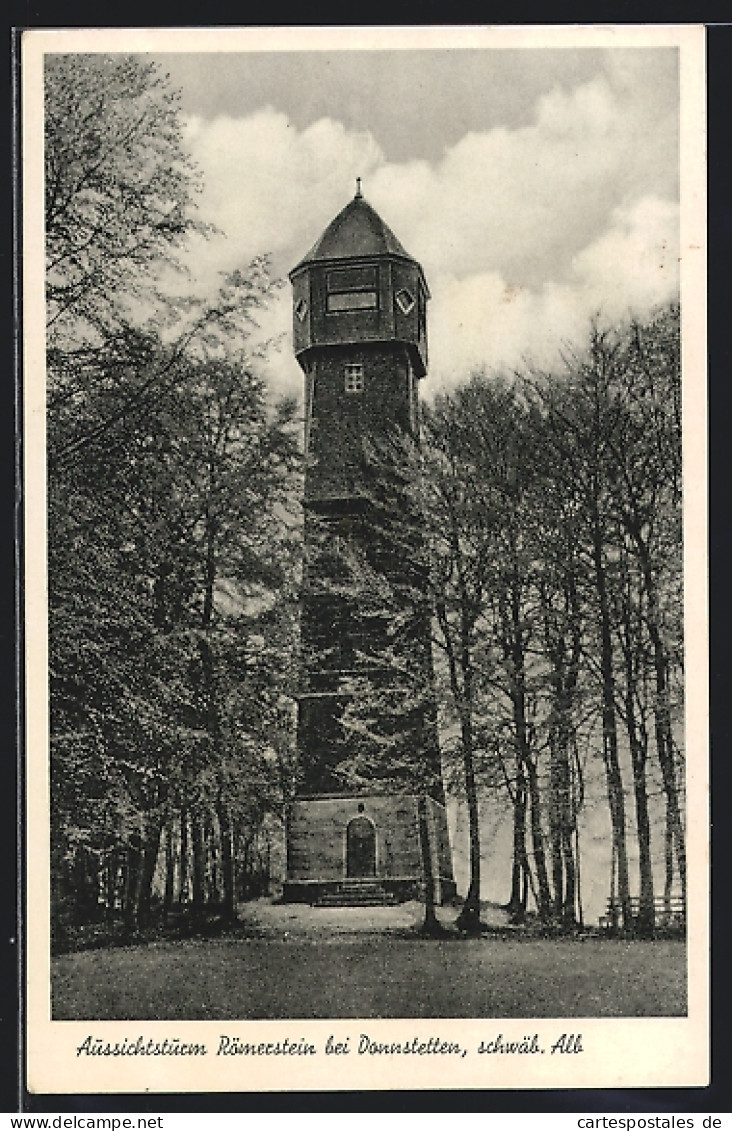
[(334, 838)]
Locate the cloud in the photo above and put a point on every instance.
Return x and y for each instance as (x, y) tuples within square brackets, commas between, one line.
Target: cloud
[(524, 233), (525, 201), (635, 263), (270, 187), (483, 321)]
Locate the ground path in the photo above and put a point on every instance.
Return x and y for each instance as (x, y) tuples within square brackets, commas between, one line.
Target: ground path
[(290, 962)]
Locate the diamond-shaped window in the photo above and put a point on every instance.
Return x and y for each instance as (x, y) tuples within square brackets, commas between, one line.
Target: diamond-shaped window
[(405, 301), (301, 309)]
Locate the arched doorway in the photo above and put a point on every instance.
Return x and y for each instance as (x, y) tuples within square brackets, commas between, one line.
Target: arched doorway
[(360, 848)]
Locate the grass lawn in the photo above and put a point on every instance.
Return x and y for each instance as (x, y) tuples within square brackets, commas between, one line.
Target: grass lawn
[(371, 974)]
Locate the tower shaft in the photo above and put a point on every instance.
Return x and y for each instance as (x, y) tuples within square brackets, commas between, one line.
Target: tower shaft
[(366, 712)]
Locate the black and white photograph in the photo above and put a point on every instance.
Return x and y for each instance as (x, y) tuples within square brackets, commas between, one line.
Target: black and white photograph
[(364, 575)]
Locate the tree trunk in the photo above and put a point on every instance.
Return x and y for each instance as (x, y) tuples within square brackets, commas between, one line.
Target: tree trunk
[(563, 645), (616, 799), (198, 840), (567, 819), (133, 880), (111, 887), (537, 841), (569, 913), (150, 852), (213, 871), (668, 843), (562, 821), (664, 747), (578, 879), (556, 842), (632, 645), (169, 895), (183, 857), (514, 654), (430, 924), (662, 710), (638, 754), (82, 886), (462, 692), (516, 905), (646, 913), (469, 918), (228, 870)]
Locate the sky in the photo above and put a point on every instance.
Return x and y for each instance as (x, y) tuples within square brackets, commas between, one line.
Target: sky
[(537, 187)]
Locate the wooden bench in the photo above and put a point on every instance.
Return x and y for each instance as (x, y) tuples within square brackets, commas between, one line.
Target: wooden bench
[(666, 913)]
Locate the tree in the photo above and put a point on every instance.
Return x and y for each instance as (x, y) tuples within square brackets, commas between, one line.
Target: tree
[(238, 465), (486, 555), (474, 497), (170, 492), (648, 498), (611, 435), (553, 506), (581, 415), (458, 581), (119, 194), (192, 508), (560, 581)]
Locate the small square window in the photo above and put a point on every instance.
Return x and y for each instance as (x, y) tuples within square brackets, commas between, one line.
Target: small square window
[(353, 375)]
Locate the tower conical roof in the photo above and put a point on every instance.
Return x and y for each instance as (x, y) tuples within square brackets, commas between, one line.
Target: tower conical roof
[(356, 232)]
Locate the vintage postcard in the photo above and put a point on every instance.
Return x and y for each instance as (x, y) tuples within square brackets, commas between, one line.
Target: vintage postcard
[(365, 558)]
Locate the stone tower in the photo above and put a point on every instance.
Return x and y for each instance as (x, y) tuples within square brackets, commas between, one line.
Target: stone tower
[(364, 827)]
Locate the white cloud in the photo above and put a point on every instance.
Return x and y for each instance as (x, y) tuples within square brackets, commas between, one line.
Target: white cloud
[(523, 233), (483, 321), (524, 201), (635, 263), (270, 187)]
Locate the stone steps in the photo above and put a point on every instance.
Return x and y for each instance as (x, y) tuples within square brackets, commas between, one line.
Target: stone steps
[(357, 893)]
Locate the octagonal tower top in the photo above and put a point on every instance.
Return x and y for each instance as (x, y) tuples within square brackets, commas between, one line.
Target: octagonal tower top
[(358, 284), (357, 231)]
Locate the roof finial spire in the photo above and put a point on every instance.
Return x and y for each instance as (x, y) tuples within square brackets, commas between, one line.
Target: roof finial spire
[(359, 194)]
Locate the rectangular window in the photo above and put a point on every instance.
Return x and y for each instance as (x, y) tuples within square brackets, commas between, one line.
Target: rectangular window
[(351, 300), (353, 375), (352, 279)]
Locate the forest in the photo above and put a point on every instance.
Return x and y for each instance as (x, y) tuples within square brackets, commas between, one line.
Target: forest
[(551, 504)]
